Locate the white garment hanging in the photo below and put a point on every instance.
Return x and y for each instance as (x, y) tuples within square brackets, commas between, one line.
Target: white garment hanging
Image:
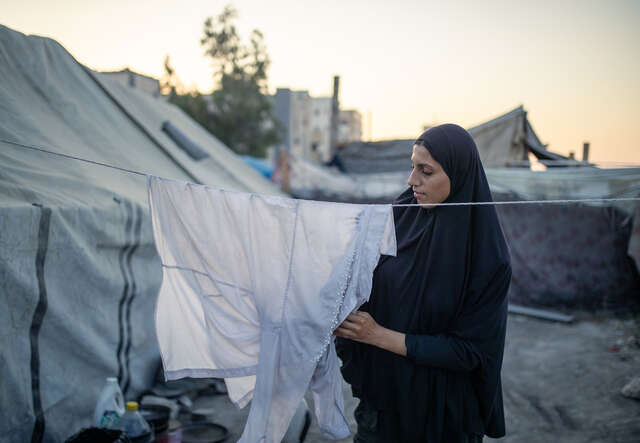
[(253, 287)]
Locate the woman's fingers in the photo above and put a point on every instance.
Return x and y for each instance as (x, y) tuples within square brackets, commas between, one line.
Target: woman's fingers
[(344, 333), (348, 324), (353, 318), (353, 332), (355, 326)]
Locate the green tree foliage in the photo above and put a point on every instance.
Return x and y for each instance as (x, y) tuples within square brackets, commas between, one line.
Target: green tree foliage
[(240, 113)]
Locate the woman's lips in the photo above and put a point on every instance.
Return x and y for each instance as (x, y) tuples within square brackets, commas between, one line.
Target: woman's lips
[(418, 194)]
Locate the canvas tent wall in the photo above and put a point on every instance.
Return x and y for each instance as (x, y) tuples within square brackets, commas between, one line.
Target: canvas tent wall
[(508, 139), (78, 265), (572, 255)]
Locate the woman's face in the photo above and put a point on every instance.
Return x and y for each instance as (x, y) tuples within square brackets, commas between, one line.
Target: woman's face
[(429, 181)]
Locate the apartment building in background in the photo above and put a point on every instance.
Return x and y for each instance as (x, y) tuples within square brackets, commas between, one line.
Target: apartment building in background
[(308, 122), (349, 127)]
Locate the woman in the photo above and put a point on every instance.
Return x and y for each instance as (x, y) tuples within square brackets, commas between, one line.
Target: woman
[(424, 354)]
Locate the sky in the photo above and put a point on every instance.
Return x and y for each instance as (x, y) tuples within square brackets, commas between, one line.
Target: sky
[(573, 65)]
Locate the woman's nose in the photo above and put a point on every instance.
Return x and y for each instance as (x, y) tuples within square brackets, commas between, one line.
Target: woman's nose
[(412, 180)]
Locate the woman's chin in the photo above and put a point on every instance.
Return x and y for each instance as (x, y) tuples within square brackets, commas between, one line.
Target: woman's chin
[(424, 203)]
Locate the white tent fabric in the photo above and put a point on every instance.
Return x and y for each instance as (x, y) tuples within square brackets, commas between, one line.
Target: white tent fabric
[(78, 265)]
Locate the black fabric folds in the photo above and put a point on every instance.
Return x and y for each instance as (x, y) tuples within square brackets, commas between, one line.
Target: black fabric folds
[(447, 289)]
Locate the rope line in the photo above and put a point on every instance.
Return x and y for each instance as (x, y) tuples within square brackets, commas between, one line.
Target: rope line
[(131, 171), (515, 202), (523, 202)]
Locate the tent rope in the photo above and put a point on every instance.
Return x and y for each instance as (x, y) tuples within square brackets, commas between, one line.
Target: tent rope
[(131, 171)]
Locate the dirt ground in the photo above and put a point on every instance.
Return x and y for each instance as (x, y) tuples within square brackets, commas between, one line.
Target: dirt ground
[(561, 383)]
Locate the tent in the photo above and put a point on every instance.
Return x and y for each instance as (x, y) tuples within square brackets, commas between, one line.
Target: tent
[(572, 255), (502, 141), (594, 269), (78, 265)]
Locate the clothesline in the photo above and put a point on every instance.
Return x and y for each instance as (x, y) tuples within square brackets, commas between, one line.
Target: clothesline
[(525, 202), (515, 202)]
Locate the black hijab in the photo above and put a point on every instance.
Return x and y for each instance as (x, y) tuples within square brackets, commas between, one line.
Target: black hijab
[(450, 278)]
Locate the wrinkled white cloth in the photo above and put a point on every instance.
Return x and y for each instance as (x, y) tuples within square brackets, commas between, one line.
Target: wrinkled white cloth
[(253, 287)]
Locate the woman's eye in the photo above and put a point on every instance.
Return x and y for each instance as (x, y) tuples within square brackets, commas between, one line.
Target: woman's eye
[(426, 172)]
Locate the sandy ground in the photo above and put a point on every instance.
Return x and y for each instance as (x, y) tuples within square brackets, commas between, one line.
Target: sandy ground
[(561, 384)]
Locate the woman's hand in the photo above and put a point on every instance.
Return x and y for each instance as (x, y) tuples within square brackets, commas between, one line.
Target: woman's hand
[(361, 327)]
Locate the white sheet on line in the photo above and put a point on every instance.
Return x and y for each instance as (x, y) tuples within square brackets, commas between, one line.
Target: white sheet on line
[(253, 287)]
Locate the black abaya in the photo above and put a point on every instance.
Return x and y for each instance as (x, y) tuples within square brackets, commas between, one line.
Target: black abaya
[(447, 291)]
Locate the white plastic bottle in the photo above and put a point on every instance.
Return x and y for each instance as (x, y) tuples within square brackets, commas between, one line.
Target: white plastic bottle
[(110, 404), (134, 425)]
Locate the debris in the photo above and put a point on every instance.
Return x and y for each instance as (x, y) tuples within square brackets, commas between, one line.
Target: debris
[(632, 389), (539, 313), (152, 400), (185, 401)]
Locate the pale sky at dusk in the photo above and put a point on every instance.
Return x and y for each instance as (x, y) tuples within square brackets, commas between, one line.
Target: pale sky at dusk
[(574, 65)]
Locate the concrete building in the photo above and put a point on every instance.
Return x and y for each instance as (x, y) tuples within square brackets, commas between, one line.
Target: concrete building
[(321, 129), (308, 121), (293, 111), (349, 127)]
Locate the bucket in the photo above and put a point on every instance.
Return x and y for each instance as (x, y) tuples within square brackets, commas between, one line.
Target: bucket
[(158, 418)]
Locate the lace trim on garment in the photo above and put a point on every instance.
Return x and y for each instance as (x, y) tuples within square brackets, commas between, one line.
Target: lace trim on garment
[(346, 281)]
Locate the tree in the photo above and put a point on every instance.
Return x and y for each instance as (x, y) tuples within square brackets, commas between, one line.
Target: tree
[(243, 113), (240, 113)]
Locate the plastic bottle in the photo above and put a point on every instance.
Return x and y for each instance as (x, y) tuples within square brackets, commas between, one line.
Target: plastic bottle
[(110, 404), (134, 425)]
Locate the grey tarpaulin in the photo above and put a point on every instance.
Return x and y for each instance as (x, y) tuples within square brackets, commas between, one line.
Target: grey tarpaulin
[(79, 272), (501, 141)]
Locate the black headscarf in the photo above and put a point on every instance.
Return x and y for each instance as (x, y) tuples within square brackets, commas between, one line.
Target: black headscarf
[(450, 278)]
